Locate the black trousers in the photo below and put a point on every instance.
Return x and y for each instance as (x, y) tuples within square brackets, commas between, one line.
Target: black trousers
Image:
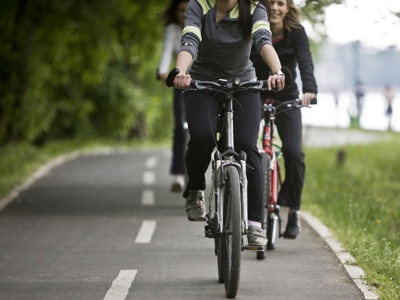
[(289, 125), (201, 113), (177, 163)]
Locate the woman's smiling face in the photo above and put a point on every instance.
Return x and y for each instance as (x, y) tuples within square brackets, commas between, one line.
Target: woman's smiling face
[(279, 9)]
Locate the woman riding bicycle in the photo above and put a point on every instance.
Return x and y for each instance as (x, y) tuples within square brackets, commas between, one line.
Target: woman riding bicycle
[(291, 43), (219, 35)]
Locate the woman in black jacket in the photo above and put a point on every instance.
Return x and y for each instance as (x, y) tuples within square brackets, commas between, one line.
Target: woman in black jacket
[(291, 43)]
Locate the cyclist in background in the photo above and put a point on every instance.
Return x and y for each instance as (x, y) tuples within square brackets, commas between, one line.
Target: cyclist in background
[(217, 37), (291, 43), (174, 20)]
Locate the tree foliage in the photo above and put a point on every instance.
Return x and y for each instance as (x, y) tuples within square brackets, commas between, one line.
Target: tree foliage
[(85, 68), (314, 10), (71, 68)]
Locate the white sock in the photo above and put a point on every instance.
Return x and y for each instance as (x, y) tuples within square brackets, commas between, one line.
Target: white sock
[(254, 223)]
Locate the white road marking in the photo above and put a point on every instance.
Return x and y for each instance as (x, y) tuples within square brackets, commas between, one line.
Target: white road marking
[(120, 286), (148, 177), (148, 198), (146, 232), (151, 162)]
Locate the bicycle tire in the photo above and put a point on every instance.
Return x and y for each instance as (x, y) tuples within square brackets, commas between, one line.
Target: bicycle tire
[(231, 232), (220, 258), (273, 217), (186, 138), (265, 160), (272, 229)]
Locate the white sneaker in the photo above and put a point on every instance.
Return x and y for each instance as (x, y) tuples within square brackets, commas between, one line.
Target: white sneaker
[(256, 236), (178, 183), (195, 206)]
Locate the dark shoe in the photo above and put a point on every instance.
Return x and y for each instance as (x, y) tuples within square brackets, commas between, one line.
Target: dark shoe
[(293, 225), (195, 206), (178, 184), (256, 236)]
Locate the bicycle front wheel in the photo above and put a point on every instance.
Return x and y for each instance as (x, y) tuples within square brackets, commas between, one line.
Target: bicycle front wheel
[(266, 160), (231, 237), (273, 217)]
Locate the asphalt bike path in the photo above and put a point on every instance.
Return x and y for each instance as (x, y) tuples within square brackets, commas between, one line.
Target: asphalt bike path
[(106, 227)]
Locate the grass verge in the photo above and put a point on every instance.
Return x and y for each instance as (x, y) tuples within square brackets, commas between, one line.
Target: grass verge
[(359, 202)]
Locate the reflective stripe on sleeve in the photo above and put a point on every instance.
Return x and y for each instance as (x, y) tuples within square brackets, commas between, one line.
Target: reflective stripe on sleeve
[(259, 25), (192, 29)]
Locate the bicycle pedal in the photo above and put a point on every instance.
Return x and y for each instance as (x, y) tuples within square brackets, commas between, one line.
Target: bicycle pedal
[(254, 248)]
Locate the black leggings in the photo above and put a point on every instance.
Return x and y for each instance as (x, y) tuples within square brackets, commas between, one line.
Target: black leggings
[(177, 165), (201, 114), (289, 125)]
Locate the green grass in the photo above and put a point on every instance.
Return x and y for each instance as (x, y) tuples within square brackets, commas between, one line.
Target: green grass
[(360, 203)]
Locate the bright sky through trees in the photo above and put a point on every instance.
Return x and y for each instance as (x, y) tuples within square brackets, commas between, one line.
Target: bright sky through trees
[(371, 22)]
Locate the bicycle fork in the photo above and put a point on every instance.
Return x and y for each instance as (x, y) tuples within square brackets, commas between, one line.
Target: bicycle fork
[(215, 203)]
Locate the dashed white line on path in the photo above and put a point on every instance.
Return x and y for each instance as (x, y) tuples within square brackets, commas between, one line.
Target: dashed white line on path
[(146, 232), (148, 198), (120, 286), (151, 162), (148, 178)]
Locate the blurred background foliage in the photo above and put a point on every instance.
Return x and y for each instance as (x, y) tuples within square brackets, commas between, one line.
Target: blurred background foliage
[(78, 69)]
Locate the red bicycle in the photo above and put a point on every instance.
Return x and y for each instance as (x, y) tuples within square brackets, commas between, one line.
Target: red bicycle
[(271, 155)]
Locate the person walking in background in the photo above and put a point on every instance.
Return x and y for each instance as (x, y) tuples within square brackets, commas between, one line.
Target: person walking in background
[(174, 20), (389, 96), (291, 43), (360, 93), (217, 38)]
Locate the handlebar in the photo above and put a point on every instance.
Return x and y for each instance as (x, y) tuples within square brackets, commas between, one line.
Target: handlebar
[(222, 84), (171, 76), (296, 103), (225, 85), (257, 85), (236, 83)]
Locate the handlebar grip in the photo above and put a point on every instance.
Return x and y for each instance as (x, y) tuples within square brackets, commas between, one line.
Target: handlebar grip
[(288, 76), (171, 76)]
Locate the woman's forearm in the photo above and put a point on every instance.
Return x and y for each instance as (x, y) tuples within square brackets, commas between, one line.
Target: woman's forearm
[(183, 61)]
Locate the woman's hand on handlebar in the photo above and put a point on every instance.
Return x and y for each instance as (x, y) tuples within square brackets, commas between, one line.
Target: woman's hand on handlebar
[(182, 81), (276, 82), (178, 79), (306, 98)]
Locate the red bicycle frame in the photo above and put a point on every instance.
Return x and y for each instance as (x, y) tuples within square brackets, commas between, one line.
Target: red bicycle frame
[(268, 146)]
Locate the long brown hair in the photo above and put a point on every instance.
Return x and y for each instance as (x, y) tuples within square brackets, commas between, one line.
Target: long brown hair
[(170, 14), (245, 17)]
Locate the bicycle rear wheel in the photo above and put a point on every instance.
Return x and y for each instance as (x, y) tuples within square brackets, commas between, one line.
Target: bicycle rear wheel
[(231, 237)]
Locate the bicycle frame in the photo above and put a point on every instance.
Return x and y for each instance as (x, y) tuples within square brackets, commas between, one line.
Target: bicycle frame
[(274, 167), (272, 221)]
